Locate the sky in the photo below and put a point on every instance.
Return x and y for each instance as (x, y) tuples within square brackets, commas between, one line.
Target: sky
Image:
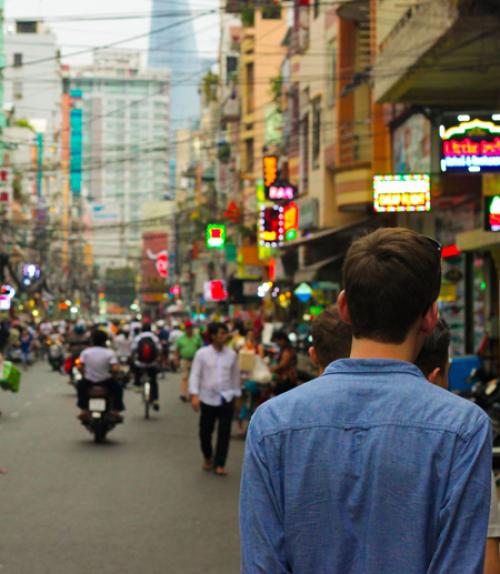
[(78, 34)]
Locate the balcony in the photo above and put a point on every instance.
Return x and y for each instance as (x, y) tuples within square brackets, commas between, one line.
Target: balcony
[(439, 52)]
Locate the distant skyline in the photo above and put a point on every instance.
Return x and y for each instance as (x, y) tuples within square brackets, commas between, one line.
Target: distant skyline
[(74, 36)]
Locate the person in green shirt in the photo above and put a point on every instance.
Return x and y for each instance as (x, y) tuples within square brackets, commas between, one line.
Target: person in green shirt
[(186, 348)]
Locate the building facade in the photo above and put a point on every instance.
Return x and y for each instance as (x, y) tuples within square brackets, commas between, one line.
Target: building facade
[(125, 148)]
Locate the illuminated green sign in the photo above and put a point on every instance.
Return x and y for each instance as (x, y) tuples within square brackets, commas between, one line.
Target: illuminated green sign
[(216, 236)]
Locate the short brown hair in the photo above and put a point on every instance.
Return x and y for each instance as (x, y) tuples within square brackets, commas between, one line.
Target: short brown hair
[(331, 338), (391, 277)]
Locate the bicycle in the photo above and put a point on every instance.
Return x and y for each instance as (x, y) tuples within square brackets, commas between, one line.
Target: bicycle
[(146, 392)]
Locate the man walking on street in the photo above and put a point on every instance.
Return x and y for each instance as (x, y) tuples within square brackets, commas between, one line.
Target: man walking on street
[(214, 383), (370, 469), (187, 345)]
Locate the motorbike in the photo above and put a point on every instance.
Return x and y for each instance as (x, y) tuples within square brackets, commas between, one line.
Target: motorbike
[(124, 375), (99, 422), (55, 355), (72, 368)]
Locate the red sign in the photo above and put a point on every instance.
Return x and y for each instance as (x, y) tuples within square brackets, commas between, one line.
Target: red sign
[(154, 266), (215, 291), (233, 212)]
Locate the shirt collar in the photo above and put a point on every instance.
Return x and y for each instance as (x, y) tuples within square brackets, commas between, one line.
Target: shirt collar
[(375, 366)]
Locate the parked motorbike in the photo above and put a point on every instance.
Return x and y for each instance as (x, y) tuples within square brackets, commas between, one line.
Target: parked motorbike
[(100, 422), (55, 355)]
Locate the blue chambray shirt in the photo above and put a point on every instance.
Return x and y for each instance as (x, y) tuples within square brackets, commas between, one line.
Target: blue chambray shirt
[(368, 469)]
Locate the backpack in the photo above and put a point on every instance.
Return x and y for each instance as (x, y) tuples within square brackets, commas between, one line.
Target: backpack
[(147, 351)]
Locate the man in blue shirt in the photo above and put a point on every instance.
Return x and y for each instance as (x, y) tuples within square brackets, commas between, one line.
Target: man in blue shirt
[(368, 469)]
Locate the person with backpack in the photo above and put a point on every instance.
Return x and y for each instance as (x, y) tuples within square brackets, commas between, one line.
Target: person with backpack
[(146, 351)]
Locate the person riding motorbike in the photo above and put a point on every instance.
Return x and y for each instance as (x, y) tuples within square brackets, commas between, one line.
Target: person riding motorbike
[(98, 363), (146, 350)]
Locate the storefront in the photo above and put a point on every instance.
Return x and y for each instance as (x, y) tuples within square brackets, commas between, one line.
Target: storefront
[(469, 294)]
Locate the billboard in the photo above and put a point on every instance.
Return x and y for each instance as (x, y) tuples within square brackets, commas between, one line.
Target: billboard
[(470, 142), (401, 193), (154, 266)]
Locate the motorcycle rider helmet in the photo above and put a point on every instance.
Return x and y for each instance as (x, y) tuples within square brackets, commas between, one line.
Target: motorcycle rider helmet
[(79, 329)]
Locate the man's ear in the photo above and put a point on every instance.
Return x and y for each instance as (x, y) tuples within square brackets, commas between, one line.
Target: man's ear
[(313, 356), (433, 376), (342, 308), (430, 319)]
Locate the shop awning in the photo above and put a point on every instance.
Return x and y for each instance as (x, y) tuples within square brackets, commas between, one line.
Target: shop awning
[(477, 240), (324, 233), (308, 273)]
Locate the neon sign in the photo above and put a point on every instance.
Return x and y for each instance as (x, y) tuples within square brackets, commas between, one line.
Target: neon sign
[(215, 291), (470, 145), (278, 224), (401, 193), (492, 213), (216, 236), (270, 164), (281, 190)]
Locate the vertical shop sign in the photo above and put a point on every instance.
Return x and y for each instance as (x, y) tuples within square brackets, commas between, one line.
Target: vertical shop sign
[(76, 142)]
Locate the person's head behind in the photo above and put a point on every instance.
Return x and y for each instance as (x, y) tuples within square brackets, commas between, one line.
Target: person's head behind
[(281, 338), (392, 278), (79, 329), (217, 333), (433, 359), (331, 339), (146, 327), (99, 338)]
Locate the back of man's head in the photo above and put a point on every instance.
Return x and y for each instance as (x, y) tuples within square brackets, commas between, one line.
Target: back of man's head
[(331, 338), (99, 338), (391, 278), (433, 358), (146, 327)]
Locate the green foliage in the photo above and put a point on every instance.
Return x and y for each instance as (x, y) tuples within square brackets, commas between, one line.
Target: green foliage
[(277, 89), (210, 84), (248, 16)]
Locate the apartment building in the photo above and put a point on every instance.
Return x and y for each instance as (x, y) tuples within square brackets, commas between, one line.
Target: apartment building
[(125, 146)]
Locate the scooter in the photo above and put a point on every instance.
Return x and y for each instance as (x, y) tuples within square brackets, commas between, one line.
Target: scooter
[(100, 422), (56, 355)]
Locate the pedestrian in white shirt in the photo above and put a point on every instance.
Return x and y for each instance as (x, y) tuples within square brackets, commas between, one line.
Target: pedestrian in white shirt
[(214, 383)]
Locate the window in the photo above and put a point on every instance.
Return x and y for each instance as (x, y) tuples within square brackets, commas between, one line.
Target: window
[(249, 156), (332, 74), (316, 8), (18, 60), (316, 133), (271, 11), (250, 88), (17, 88)]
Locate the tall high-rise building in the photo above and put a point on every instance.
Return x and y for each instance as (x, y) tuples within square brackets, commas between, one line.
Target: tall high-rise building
[(125, 152), (173, 47)]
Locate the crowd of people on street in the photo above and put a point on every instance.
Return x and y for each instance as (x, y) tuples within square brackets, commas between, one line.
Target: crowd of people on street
[(371, 467)]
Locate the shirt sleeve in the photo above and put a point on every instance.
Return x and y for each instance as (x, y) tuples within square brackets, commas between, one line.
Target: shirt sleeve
[(463, 518), (113, 360), (261, 517), (194, 377)]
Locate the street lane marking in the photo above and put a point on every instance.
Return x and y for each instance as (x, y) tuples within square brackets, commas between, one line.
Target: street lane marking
[(27, 404), (14, 415)]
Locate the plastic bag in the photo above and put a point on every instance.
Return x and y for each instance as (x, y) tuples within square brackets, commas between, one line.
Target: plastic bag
[(10, 377), (246, 360), (261, 373)]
